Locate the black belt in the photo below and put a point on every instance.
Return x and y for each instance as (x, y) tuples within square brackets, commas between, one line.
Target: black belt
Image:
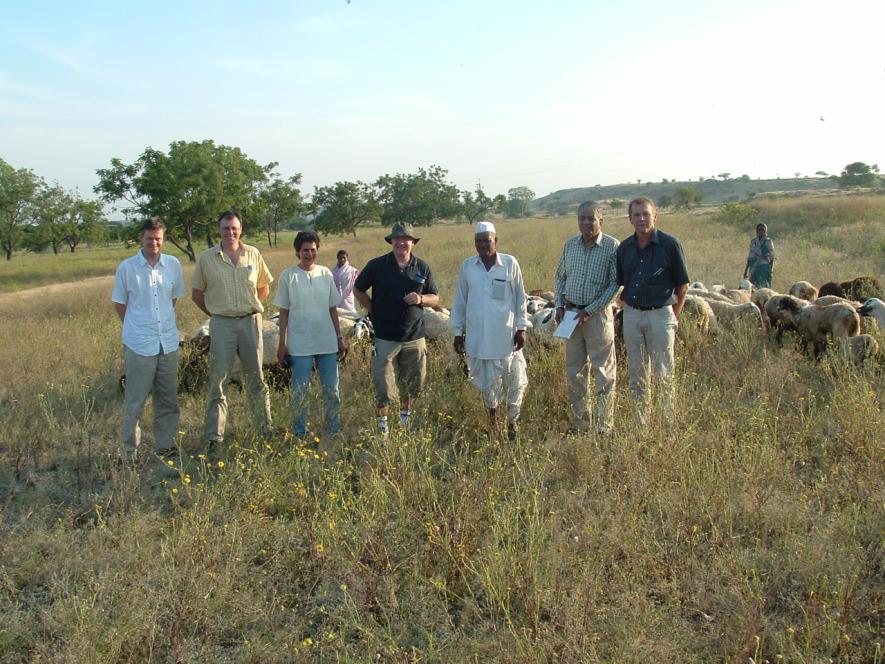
[(661, 306)]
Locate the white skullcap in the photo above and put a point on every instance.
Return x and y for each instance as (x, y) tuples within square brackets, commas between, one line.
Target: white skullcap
[(485, 227)]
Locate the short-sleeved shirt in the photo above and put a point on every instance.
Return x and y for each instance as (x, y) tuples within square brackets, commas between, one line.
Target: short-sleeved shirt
[(148, 293), (393, 319), (308, 296), (650, 275), (761, 249), (231, 290)]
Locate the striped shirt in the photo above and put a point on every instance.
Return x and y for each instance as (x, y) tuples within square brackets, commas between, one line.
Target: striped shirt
[(587, 276), (231, 290)]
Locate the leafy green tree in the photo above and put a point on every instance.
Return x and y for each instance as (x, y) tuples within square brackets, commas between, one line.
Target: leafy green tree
[(475, 205), (518, 201), (857, 174), (664, 201), (686, 198), (50, 209), (738, 214), (187, 187), (340, 208), (821, 174), (724, 176), (616, 204), (85, 222), (17, 189), (419, 198), (278, 203)]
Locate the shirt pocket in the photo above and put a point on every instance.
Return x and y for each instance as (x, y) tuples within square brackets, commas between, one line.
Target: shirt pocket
[(499, 289)]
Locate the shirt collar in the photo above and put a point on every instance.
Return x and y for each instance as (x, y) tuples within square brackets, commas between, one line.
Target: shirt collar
[(654, 237), (144, 261), (498, 261)]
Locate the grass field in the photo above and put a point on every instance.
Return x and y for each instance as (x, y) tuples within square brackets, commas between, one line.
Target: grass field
[(750, 528)]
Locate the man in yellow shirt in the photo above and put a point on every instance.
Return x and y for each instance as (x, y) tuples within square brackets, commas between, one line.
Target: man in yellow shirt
[(229, 283)]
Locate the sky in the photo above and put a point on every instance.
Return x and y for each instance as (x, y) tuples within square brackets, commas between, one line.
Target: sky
[(549, 95)]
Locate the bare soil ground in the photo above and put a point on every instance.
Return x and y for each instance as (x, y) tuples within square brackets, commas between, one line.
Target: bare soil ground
[(57, 289)]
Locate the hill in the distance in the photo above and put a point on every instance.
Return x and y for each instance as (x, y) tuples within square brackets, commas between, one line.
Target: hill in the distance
[(713, 192)]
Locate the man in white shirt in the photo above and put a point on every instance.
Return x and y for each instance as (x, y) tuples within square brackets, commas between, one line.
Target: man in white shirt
[(490, 305), (146, 288)]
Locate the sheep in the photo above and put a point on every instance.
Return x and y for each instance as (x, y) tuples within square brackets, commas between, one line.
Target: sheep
[(698, 285), (709, 295), (859, 288), (436, 324), (698, 310), (534, 304), (835, 299), (774, 318), (543, 324), (738, 296), (747, 285), (760, 296), (858, 350), (875, 309), (803, 290), (816, 322), (545, 294), (718, 288), (729, 314)]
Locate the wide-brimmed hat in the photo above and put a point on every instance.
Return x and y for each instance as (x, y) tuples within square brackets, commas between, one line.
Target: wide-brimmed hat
[(401, 229)]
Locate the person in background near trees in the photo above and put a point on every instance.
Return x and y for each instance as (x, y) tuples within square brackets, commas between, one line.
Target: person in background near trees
[(345, 274), (760, 260), (402, 285), (651, 268), (585, 282), (146, 288), (229, 282), (490, 305), (309, 332)]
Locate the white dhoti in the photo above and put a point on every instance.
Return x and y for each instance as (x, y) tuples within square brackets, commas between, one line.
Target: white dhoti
[(501, 380)]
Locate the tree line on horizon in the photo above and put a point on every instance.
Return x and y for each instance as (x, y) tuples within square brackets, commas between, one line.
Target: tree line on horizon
[(189, 184)]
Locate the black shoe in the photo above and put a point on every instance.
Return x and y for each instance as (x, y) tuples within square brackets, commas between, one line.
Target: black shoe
[(167, 452)]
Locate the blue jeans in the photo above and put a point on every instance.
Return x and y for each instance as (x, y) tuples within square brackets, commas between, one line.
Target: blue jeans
[(327, 368)]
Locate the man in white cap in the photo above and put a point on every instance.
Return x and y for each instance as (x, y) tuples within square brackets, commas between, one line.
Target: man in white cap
[(490, 307)]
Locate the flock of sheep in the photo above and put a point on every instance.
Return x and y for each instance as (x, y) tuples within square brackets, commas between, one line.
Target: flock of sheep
[(837, 313)]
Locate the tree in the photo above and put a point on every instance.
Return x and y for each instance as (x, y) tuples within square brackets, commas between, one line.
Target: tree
[(616, 204), (419, 198), (17, 188), (724, 176), (686, 198), (518, 200), (278, 202), (857, 174), (85, 221), (50, 208), (664, 201), (187, 188), (822, 174), (475, 205), (343, 206)]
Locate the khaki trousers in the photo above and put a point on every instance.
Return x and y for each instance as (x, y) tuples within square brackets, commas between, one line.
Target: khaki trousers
[(650, 337), (591, 350), (398, 364), (157, 374), (231, 338)]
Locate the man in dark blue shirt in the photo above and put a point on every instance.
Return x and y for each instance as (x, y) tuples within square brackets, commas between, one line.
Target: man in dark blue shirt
[(402, 285), (651, 268)]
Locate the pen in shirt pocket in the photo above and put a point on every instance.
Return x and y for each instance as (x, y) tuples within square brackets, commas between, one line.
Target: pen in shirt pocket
[(660, 270)]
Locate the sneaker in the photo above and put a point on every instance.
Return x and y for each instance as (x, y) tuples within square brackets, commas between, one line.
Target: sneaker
[(381, 423), (404, 418), (512, 430)]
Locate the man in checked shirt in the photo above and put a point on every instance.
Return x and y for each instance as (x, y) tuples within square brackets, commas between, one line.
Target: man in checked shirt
[(586, 281)]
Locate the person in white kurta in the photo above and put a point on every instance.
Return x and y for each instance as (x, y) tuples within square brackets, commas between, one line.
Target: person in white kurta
[(490, 307)]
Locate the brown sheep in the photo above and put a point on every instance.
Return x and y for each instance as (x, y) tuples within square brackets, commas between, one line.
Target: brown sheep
[(858, 350), (859, 288), (774, 318), (803, 290), (816, 322), (697, 310), (738, 295)]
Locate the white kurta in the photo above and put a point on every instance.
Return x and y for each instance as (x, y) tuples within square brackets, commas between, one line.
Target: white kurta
[(490, 306)]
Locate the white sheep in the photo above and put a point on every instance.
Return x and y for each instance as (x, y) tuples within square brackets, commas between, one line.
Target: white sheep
[(760, 297), (436, 324), (875, 309), (729, 314)]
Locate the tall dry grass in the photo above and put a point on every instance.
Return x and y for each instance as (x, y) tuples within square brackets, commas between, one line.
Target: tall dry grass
[(748, 527)]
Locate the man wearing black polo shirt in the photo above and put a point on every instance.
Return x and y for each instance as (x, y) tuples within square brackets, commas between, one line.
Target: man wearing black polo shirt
[(651, 268), (402, 285)]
